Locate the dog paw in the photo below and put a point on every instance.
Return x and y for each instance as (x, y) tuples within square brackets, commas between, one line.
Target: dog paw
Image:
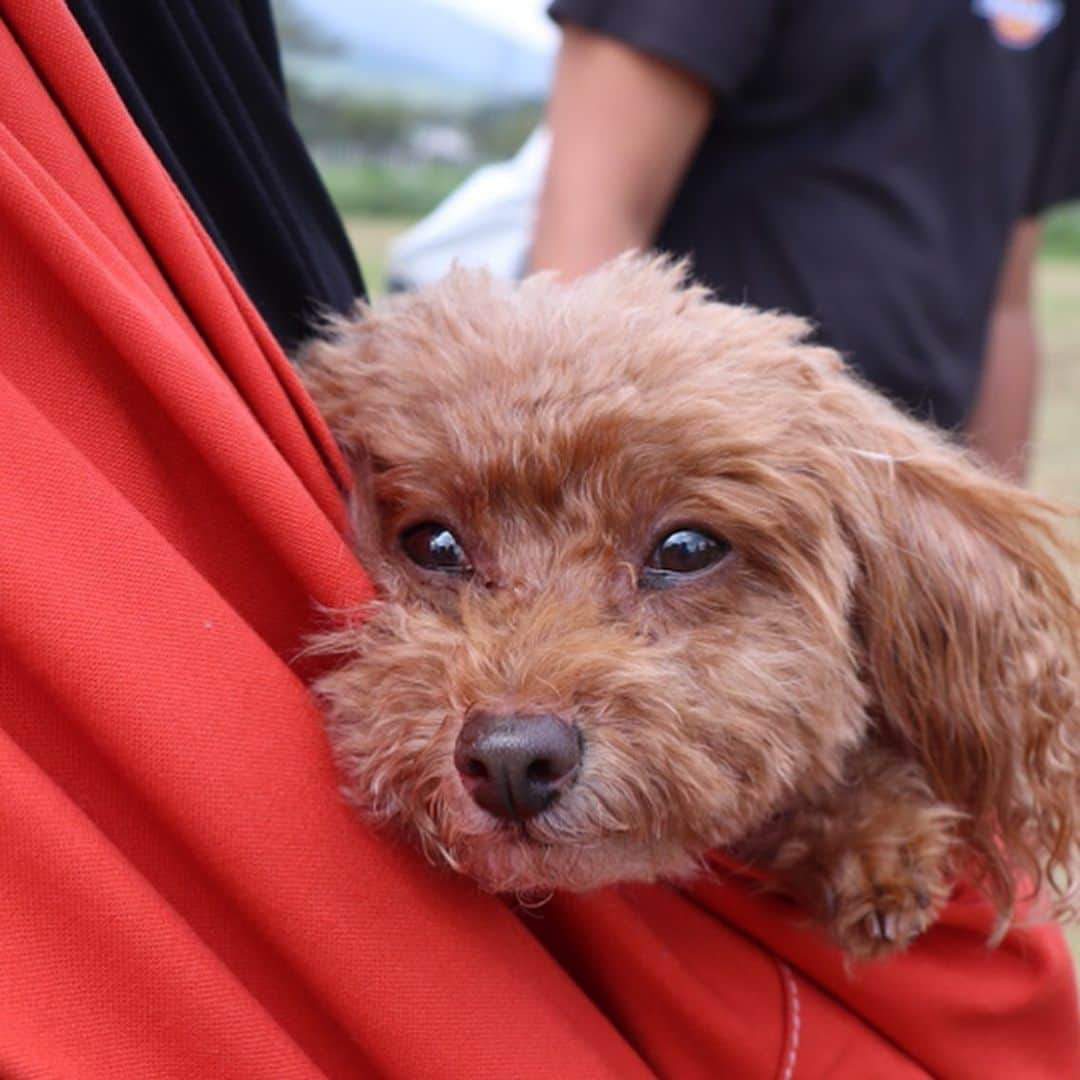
[(877, 905)]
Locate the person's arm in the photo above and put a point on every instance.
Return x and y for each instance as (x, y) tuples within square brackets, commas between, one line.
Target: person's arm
[(1000, 424), (624, 129)]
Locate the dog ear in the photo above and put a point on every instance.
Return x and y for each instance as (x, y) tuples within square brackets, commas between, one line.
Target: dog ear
[(334, 369), (970, 635), (330, 367)]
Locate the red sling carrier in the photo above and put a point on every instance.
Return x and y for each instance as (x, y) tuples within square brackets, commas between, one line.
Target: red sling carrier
[(182, 891)]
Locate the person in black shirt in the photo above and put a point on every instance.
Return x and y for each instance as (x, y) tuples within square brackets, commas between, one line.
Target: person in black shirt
[(878, 168)]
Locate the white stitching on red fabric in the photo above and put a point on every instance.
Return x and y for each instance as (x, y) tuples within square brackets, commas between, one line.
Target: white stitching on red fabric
[(794, 1024)]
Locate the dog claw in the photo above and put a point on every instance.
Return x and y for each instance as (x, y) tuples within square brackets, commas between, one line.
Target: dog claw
[(829, 900), (883, 926)]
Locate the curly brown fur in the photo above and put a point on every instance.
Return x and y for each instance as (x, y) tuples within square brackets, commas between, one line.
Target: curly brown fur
[(875, 691)]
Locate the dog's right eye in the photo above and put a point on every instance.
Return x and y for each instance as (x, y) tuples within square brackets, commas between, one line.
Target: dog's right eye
[(681, 554), (435, 547)]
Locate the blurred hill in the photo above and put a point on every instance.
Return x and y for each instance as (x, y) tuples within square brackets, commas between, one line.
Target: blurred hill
[(408, 50)]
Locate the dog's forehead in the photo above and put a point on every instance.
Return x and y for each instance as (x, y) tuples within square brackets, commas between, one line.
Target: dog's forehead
[(620, 380), (521, 457), (526, 420)]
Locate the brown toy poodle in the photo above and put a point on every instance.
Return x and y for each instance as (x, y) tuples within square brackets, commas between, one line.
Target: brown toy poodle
[(656, 576)]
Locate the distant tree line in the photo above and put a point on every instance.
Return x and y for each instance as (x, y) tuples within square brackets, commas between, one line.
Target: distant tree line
[(297, 33), (379, 127)]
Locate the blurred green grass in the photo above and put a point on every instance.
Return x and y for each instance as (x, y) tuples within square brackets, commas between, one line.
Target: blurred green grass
[(371, 237), (384, 190), (1056, 460), (1061, 233)]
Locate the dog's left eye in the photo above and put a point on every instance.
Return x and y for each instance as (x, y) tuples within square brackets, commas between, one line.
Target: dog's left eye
[(684, 551), (435, 547)]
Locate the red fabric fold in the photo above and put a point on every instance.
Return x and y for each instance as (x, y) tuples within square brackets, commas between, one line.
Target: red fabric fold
[(182, 891)]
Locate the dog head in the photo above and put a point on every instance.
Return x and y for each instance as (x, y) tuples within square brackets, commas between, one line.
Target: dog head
[(651, 568)]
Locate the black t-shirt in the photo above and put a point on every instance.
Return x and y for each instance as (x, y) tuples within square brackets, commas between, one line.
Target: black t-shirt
[(882, 214), (202, 79)]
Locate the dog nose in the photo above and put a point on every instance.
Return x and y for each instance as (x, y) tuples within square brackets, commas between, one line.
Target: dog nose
[(517, 766)]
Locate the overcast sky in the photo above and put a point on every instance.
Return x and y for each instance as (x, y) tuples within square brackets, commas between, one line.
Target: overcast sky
[(522, 18)]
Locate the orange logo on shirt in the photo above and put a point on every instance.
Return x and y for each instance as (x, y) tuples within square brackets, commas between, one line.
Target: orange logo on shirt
[(1020, 24)]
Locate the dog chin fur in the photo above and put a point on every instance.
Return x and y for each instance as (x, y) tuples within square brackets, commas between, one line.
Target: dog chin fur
[(874, 692)]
